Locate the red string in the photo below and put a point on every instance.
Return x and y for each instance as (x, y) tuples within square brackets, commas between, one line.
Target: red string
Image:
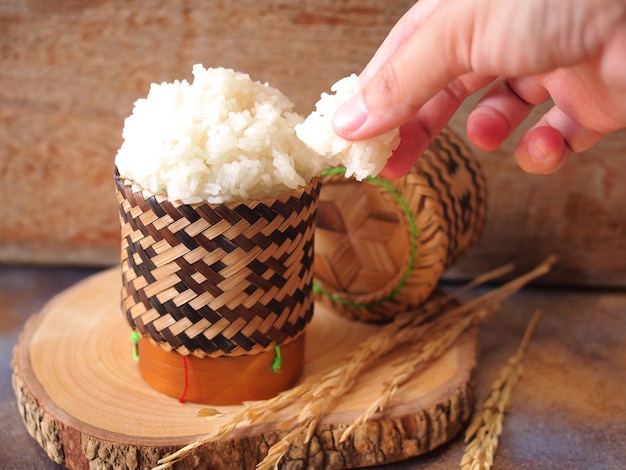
[(182, 397)]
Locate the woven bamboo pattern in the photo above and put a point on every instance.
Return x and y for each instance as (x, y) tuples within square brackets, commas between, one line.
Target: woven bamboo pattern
[(217, 279), (455, 173), (382, 245)]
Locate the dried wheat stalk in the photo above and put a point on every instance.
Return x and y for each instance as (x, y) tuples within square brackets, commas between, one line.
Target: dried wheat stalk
[(317, 394), (438, 336), (481, 436)]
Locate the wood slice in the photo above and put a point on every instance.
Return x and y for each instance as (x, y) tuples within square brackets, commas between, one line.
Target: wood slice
[(82, 398)]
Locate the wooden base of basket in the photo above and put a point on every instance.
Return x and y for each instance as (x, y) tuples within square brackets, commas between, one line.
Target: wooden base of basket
[(221, 380), (82, 397)]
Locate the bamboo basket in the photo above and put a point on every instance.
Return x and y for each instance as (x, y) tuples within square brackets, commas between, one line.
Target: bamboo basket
[(382, 245), (226, 286)]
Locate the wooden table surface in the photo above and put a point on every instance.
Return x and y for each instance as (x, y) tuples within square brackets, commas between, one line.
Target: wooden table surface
[(568, 410)]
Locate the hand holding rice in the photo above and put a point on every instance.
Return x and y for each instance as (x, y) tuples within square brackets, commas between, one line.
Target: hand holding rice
[(362, 158), (222, 138)]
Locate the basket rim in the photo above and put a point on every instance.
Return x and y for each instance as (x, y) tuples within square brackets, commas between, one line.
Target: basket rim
[(137, 188), (384, 293)]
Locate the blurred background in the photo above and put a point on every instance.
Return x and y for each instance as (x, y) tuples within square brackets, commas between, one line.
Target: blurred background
[(70, 71)]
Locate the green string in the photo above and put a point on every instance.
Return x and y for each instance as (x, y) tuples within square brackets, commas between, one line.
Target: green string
[(278, 359), (318, 289), (135, 337)]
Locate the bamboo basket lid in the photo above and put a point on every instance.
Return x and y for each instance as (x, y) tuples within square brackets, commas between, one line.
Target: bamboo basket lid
[(381, 246)]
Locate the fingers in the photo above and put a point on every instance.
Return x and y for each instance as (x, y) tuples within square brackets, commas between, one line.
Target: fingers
[(406, 82), (414, 139), (546, 146), (410, 77), (402, 30), (501, 110), (541, 150), (417, 133), (612, 64)]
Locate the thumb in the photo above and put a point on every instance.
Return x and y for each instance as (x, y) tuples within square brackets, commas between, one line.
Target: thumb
[(423, 65)]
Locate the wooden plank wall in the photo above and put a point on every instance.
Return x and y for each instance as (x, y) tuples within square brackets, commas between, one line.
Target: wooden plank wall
[(71, 70)]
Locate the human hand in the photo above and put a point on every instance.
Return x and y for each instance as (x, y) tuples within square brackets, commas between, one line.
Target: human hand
[(441, 52)]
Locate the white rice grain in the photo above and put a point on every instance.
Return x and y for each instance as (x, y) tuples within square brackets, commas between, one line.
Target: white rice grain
[(362, 158), (223, 137)]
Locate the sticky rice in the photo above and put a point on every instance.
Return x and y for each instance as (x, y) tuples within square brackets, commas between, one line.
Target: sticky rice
[(361, 159), (221, 138)]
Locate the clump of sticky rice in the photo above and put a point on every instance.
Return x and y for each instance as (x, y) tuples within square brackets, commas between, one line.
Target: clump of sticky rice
[(361, 158), (221, 138)]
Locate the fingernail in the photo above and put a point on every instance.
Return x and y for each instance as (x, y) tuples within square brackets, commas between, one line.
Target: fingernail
[(538, 151), (350, 116)]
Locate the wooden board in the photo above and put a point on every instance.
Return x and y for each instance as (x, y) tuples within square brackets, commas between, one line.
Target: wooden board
[(81, 396)]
